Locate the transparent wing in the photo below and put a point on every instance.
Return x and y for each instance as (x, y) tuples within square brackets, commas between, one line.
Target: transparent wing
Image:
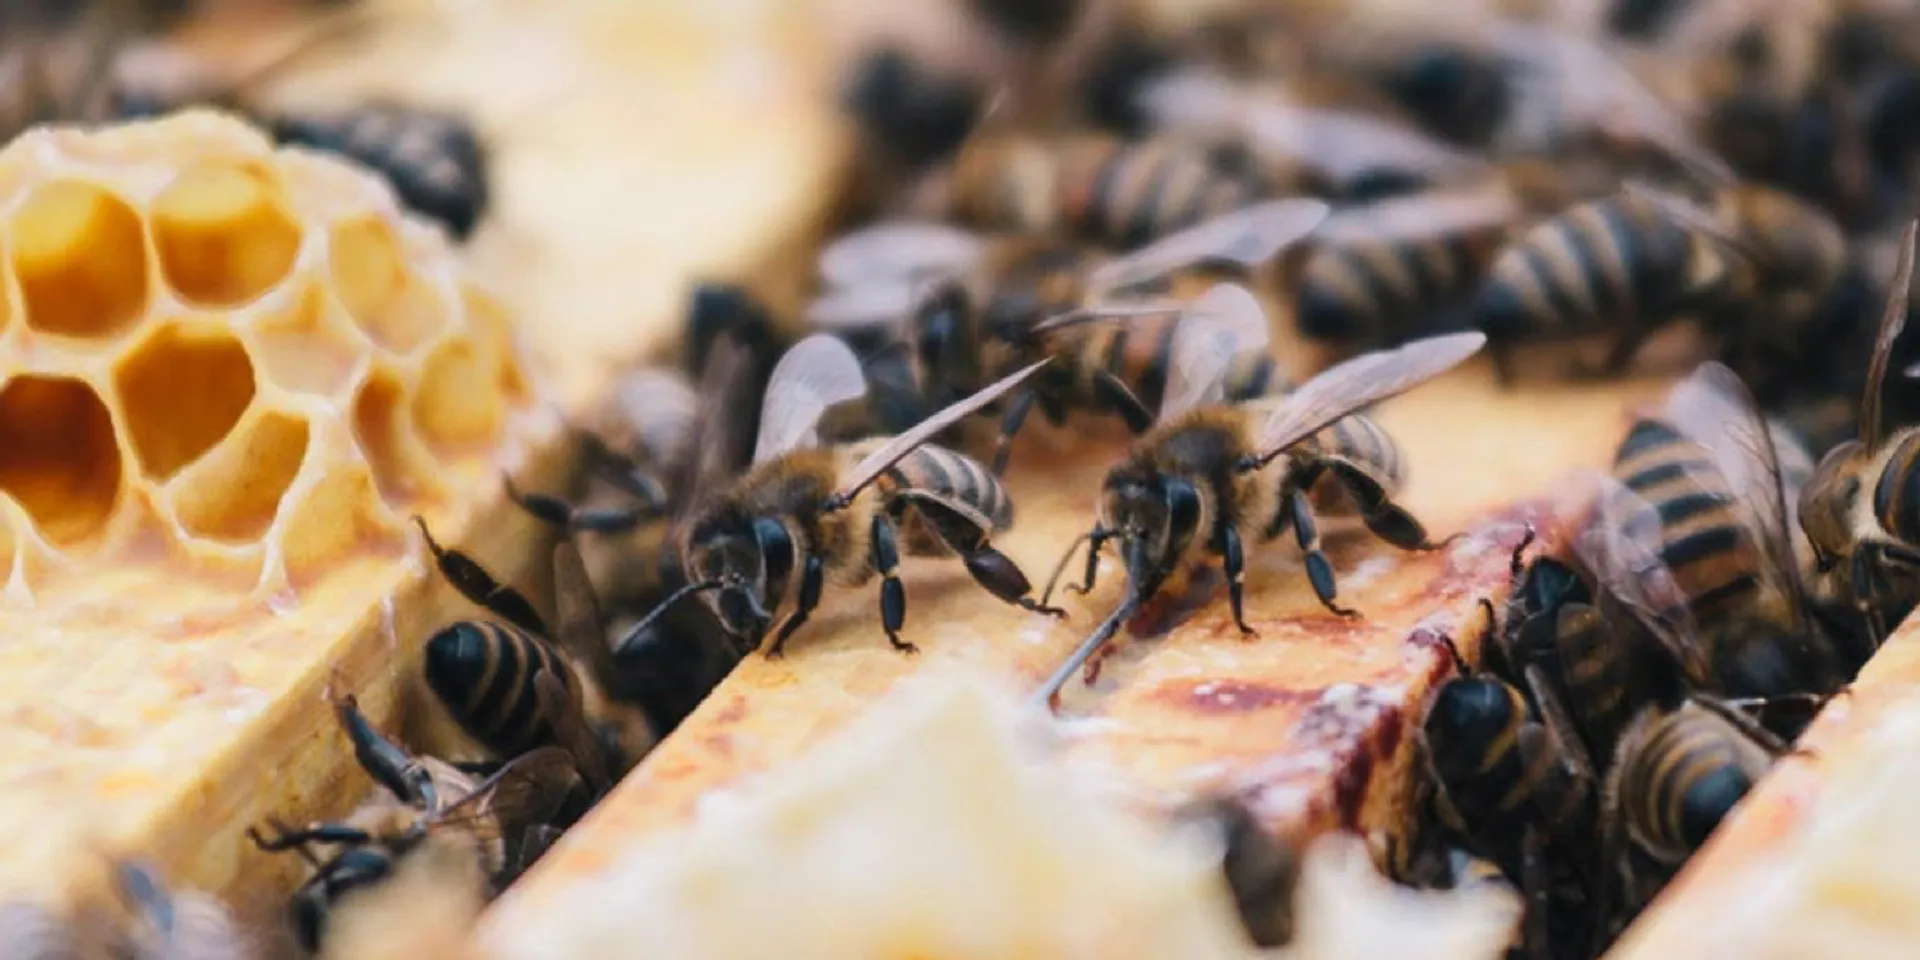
[(1220, 325), (722, 422), (1893, 318), (1621, 547), (1247, 237), (1368, 378), (1429, 214), (1713, 407), (872, 465), (528, 790), (874, 303), (813, 375), (567, 720), (899, 250), (1344, 145)]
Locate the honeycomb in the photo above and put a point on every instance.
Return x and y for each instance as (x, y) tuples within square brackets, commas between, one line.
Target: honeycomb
[(224, 356)]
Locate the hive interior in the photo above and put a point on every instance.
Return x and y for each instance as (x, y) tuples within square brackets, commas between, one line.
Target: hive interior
[(224, 356)]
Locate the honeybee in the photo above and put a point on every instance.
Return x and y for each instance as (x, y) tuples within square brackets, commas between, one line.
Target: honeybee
[(1381, 272), (32, 931), (1088, 186), (1262, 870), (1677, 773), (803, 513), (1210, 475), (513, 690), (501, 823), (1700, 545), (1858, 510), (982, 320), (175, 925), (434, 160)]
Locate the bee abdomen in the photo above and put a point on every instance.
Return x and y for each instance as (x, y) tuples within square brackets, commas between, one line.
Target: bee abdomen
[(434, 161), (943, 471), (1692, 775), (1703, 540), (1600, 261), (484, 673), (1126, 194), (1358, 292), (1357, 438), (1896, 494)]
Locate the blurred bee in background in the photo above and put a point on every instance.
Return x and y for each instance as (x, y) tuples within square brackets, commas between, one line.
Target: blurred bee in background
[(1211, 475), (104, 65), (803, 514), (167, 924), (1262, 870), (501, 823), (514, 685), (1858, 510), (975, 310)]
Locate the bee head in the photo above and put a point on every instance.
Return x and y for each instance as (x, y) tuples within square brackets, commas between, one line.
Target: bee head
[(1826, 502), (744, 564), (1154, 516)]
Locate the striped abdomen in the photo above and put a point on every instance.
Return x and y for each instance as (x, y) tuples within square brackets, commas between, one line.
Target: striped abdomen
[(954, 475), (1376, 291), (484, 673), (1137, 354), (1896, 494), (1602, 263), (1601, 676), (1123, 194), (1703, 539), (1473, 733), (1687, 769), (1358, 440)]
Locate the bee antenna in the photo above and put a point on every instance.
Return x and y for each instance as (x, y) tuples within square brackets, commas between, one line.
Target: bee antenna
[(1460, 663), (634, 632)]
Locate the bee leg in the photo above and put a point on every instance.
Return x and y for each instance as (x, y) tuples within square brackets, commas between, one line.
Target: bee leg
[(1517, 564), (1319, 569), (624, 473), (318, 833), (1094, 539), (893, 595), (1388, 520), (566, 516), (1618, 358), (476, 584), (1535, 895), (812, 577), (1234, 560), (382, 759), (1010, 424), (1766, 739)]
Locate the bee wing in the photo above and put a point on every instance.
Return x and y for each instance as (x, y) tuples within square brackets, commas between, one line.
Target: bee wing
[(1569, 84), (529, 790), (561, 709), (580, 628), (876, 463), (1695, 217), (1352, 384), (1433, 213), (814, 374), (725, 410), (873, 303), (1345, 145), (1713, 407), (1246, 237), (1621, 547), (899, 250), (1219, 326), (1892, 320)]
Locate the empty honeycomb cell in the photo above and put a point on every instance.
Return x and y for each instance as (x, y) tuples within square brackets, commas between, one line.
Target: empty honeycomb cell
[(235, 492), (370, 275), (58, 458), (80, 256), (380, 427), (223, 234), (456, 404), (181, 391), (491, 324), (307, 346)]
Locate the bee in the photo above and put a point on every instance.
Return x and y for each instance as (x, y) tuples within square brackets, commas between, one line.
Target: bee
[(1623, 264), (499, 824), (1209, 475), (1677, 773), (175, 925), (1262, 870), (1092, 187), (983, 319), (1858, 510), (1701, 495), (31, 931), (803, 513), (1381, 272), (434, 161), (513, 690)]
